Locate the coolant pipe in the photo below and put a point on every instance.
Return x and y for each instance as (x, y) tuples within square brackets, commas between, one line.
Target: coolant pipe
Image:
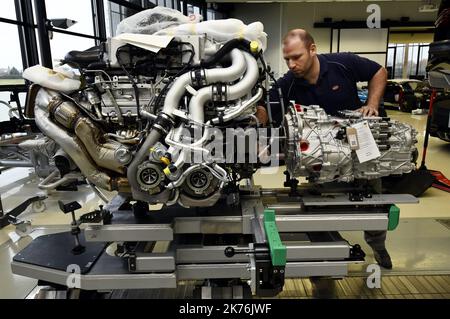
[(231, 73), (248, 81), (239, 110), (233, 92), (191, 147), (228, 74)]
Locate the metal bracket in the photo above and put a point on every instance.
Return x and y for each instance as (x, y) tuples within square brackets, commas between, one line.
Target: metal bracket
[(11, 217), (356, 253), (269, 257)]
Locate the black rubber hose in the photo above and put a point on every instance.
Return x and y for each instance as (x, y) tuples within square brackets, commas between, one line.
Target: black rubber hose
[(88, 56), (101, 65), (227, 47)]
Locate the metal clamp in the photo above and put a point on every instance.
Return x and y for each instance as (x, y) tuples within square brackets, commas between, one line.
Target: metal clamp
[(219, 93), (11, 217)]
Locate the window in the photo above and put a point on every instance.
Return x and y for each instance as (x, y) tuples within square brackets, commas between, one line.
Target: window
[(170, 3), (11, 66), (4, 110), (423, 59), (114, 13), (80, 11), (210, 14), (193, 9), (413, 51), (61, 44), (407, 60), (8, 10), (395, 60)]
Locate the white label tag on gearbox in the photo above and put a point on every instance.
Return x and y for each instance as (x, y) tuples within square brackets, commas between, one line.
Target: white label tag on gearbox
[(352, 138), (368, 149)]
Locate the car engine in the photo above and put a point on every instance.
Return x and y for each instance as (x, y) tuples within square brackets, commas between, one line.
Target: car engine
[(143, 121)]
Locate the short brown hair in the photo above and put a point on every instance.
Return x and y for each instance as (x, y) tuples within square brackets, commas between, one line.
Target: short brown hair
[(303, 35)]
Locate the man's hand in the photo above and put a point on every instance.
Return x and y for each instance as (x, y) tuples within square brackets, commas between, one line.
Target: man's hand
[(376, 90), (368, 110), (261, 115)]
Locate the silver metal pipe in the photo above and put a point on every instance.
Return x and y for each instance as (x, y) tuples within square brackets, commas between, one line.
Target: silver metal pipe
[(98, 193), (238, 90), (65, 179), (285, 208), (221, 171), (231, 73), (175, 93), (197, 104), (23, 157), (267, 192), (13, 163), (71, 145), (248, 81), (173, 200), (240, 110), (228, 74), (189, 147)]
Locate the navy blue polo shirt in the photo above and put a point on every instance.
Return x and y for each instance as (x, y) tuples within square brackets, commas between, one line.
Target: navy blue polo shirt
[(335, 89)]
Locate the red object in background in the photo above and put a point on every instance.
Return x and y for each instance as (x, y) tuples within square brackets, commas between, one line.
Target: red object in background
[(298, 107), (425, 141), (441, 182)]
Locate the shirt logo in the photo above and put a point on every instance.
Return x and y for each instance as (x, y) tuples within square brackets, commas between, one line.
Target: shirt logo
[(335, 87)]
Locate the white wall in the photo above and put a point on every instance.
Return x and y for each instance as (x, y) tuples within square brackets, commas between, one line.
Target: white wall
[(278, 18)]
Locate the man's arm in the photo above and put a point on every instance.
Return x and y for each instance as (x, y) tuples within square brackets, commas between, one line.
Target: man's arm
[(262, 110), (376, 91)]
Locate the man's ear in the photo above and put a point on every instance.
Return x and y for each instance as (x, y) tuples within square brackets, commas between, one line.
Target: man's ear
[(313, 49)]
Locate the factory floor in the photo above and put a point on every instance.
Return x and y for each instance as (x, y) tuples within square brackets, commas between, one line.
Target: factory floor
[(419, 246)]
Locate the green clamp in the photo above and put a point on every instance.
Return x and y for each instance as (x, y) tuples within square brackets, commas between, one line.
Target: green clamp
[(276, 247), (394, 217)]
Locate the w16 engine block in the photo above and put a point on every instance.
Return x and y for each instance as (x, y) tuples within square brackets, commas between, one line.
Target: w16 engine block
[(119, 114)]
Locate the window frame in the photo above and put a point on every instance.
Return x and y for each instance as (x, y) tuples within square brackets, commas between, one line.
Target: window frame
[(27, 26)]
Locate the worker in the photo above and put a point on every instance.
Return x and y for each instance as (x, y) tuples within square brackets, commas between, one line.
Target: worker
[(329, 80)]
